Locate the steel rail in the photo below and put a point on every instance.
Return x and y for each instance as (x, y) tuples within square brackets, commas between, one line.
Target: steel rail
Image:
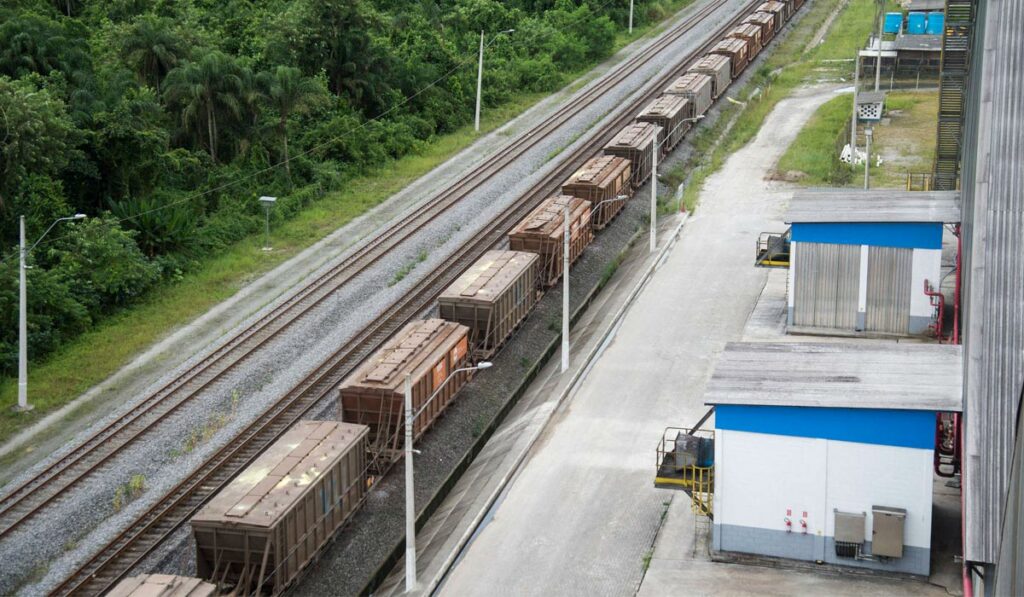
[(120, 555), (49, 485)]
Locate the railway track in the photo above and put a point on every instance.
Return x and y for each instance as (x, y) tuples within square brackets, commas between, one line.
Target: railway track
[(31, 497), (121, 554)]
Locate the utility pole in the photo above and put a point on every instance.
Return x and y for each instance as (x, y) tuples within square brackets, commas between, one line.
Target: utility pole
[(878, 60), (22, 324), (867, 156), (631, 16), (566, 231), (654, 193), (479, 81), (410, 496), (853, 118)]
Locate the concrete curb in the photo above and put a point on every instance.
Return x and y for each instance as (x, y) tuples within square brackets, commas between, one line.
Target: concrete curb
[(578, 376)]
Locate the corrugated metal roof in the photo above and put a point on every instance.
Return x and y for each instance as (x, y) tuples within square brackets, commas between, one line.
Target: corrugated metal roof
[(548, 220), (885, 375), (413, 350), (638, 135), (665, 106), (919, 5), (993, 236), (873, 205), (919, 43), (599, 171), (713, 62)]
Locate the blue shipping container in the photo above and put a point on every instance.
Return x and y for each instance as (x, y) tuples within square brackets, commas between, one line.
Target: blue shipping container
[(916, 23), (936, 23), (893, 22)]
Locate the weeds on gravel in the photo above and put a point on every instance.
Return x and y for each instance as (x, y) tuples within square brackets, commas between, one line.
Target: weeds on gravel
[(525, 363), (408, 267), (200, 436), (126, 493)]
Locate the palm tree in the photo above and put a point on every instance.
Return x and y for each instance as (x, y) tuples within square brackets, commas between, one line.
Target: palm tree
[(153, 49), (206, 91), (289, 93)]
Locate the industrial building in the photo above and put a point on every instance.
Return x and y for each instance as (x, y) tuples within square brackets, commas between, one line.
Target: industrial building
[(838, 441), (864, 262)]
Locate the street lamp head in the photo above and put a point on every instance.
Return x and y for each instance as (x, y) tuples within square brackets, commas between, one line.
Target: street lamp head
[(78, 217), (509, 31), (484, 365), (268, 200)]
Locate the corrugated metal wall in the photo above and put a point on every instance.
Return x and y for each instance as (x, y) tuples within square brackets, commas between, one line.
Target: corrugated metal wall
[(993, 284), (889, 278), (825, 285)]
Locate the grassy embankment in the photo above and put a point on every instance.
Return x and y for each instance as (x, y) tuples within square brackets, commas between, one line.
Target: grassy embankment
[(905, 139), (795, 62), (100, 352)]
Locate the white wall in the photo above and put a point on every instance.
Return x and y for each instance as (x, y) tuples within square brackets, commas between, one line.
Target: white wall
[(758, 476), (863, 475), (927, 265)]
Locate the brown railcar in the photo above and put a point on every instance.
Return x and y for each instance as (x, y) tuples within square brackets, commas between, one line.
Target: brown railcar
[(736, 50), (426, 351), (719, 68), (635, 143), (751, 34), (602, 181), (543, 233), (696, 87), (797, 4), (778, 11), (671, 113), (492, 298), (764, 20), (162, 585), (263, 528)]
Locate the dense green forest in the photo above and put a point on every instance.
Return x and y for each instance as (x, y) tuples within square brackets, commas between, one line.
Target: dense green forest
[(164, 120)]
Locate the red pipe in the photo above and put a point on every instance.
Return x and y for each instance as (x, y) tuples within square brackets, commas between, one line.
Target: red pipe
[(956, 291), (941, 304)]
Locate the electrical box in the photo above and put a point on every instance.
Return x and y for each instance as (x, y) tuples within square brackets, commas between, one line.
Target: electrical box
[(849, 533), (850, 526), (887, 531)]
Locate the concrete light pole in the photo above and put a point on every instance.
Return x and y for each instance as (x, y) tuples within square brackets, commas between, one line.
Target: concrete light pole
[(23, 252), (480, 76), (867, 156), (410, 494), (267, 202), (566, 232), (853, 118), (878, 59), (631, 16)]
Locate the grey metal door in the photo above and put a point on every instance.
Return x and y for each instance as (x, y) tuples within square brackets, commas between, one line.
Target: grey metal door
[(889, 277), (825, 285)]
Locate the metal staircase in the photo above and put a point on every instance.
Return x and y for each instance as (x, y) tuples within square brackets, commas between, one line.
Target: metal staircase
[(956, 42)]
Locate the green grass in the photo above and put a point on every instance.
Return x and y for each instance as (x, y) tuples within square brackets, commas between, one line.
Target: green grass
[(113, 342), (905, 139), (812, 153), (794, 62)]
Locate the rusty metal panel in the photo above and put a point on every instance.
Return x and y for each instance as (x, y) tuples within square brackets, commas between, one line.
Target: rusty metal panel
[(719, 68), (888, 292), (826, 283), (635, 143), (543, 232)]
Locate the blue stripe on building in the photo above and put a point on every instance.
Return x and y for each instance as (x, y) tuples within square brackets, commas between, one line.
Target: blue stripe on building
[(902, 428), (908, 235)]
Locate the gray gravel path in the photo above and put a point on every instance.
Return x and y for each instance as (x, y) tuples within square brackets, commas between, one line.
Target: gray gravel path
[(84, 520)]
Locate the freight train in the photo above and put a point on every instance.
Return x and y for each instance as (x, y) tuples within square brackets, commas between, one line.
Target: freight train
[(259, 533)]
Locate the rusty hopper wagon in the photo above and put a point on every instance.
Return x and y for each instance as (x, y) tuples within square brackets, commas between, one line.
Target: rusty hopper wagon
[(604, 178), (635, 143), (777, 10), (764, 20), (162, 585), (696, 87), (426, 351), (736, 50), (492, 298), (670, 112), (719, 68), (543, 233), (751, 34), (268, 524)]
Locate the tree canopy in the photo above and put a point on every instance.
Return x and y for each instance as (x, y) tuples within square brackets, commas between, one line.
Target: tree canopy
[(144, 114)]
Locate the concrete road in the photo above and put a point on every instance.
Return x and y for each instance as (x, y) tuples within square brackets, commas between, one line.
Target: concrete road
[(582, 512)]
